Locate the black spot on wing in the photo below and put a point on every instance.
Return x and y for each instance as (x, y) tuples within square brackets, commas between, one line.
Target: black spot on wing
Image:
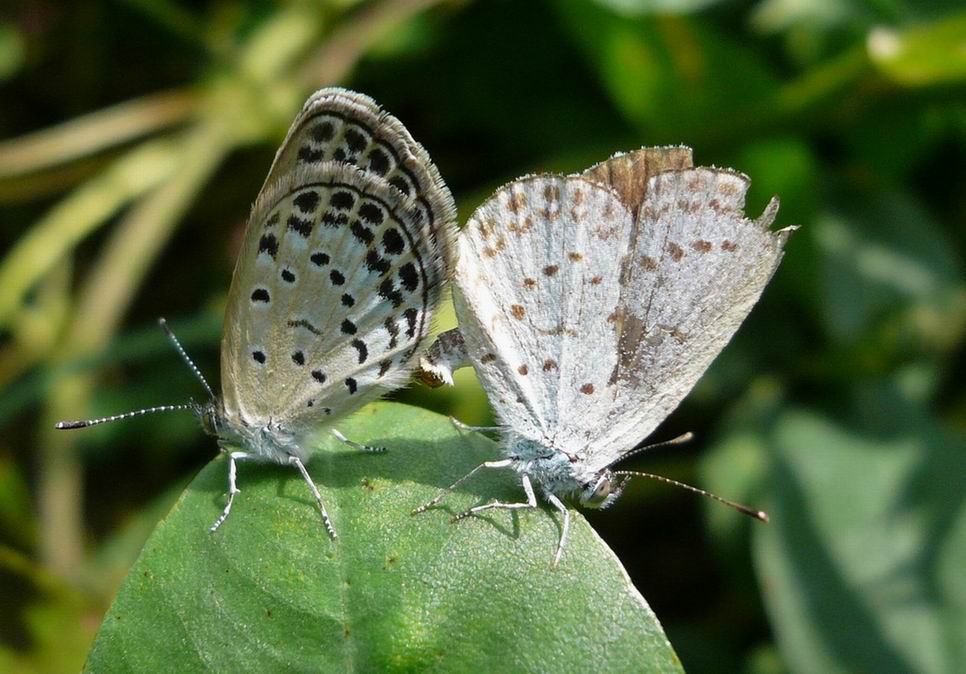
[(268, 244), (307, 201), (261, 295), (308, 155), (411, 316), (318, 376), (302, 323), (384, 367), (378, 162), (343, 200), (387, 291), (376, 263), (393, 331), (351, 385), (393, 242), (409, 276), (348, 327), (336, 277), (319, 259), (361, 233), (323, 132), (301, 227), (400, 184), (363, 350), (335, 220), (288, 276), (298, 358), (348, 300), (371, 213), (355, 141), (258, 357)]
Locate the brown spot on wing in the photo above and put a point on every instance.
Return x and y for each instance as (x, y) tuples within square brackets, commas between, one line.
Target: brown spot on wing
[(521, 227), (587, 389), (575, 256), (517, 202), (729, 246), (676, 251), (551, 193), (650, 264), (486, 228), (529, 283), (595, 280), (498, 246), (550, 270), (701, 246), (549, 364), (517, 311), (523, 369), (487, 358)]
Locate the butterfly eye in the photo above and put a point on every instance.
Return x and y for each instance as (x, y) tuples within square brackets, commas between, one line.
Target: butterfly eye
[(596, 494), (209, 421)]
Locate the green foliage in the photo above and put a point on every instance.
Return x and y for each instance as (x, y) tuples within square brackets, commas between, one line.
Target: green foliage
[(865, 573), (270, 591)]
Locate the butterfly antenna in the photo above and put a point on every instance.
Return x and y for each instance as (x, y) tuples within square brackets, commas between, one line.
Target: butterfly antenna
[(759, 515), (681, 439), (184, 355), (67, 425)]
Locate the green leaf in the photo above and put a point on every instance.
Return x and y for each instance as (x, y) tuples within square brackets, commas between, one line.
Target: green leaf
[(270, 592), (862, 565), (641, 7)]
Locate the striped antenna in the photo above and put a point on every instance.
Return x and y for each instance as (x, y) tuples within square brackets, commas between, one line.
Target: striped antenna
[(184, 355), (759, 515), (681, 439), (67, 425)]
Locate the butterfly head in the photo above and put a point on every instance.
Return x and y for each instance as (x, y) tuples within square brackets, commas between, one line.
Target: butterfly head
[(602, 491), (211, 416)]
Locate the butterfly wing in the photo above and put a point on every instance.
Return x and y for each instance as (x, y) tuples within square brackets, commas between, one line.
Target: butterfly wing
[(345, 126), (340, 270), (695, 269), (537, 289)]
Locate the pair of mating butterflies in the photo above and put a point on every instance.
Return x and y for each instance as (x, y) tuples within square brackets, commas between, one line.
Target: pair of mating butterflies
[(588, 304)]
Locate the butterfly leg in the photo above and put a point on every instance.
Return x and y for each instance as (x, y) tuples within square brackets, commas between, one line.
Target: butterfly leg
[(531, 503), (368, 449), (489, 464), (469, 429), (564, 529), (295, 461), (233, 489)]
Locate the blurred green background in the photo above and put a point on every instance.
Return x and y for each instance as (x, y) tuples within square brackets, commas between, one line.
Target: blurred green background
[(136, 133)]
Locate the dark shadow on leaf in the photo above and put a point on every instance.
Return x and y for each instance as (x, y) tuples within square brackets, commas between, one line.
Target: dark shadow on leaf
[(835, 608)]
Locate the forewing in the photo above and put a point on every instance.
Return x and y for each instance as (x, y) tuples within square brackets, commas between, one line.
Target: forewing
[(697, 268), (340, 270), (537, 291)]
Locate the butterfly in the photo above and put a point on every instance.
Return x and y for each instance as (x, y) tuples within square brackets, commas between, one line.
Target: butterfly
[(339, 275), (589, 306)]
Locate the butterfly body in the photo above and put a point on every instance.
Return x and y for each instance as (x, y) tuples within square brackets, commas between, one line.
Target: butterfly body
[(269, 442)]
